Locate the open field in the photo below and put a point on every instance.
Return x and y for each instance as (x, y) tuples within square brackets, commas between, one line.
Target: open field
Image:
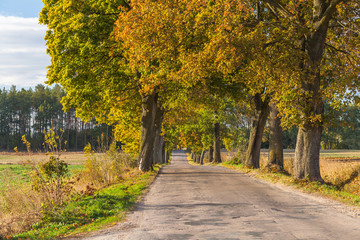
[(13, 165), (72, 158), (342, 155)]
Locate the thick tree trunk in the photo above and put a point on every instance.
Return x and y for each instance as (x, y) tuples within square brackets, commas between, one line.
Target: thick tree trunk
[(306, 164), (196, 158), (307, 152), (217, 141), (211, 153), (148, 131), (276, 157), (257, 129)]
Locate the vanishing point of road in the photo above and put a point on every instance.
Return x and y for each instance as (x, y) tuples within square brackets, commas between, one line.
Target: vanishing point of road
[(207, 202)]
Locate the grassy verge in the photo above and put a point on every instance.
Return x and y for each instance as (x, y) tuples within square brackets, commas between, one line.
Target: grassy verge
[(89, 213), (327, 190)]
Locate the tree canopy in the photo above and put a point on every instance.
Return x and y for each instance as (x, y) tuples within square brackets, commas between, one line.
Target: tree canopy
[(132, 63)]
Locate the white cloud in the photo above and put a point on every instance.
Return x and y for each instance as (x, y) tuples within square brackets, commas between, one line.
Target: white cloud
[(23, 58)]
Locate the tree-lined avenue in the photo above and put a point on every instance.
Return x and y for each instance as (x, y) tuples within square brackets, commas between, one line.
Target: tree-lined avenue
[(207, 202)]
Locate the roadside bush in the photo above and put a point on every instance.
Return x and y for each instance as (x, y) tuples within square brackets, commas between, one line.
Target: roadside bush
[(51, 179), (104, 168)]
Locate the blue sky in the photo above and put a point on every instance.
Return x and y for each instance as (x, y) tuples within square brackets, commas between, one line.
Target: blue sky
[(21, 8), (23, 58)]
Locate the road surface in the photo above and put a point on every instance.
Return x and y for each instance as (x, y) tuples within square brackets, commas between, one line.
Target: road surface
[(207, 202)]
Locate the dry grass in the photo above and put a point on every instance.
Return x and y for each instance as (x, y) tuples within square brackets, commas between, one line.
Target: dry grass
[(340, 168), (19, 206), (72, 158)]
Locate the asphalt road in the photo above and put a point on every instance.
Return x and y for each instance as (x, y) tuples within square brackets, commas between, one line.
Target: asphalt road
[(205, 202)]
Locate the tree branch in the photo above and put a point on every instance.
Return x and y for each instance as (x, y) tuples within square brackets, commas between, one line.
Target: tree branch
[(326, 16), (350, 29), (278, 7), (336, 49)]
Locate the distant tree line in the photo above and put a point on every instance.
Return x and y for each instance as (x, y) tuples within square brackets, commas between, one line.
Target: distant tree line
[(34, 112)]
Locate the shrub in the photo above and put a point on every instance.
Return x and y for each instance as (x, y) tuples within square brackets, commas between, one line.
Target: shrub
[(51, 179), (104, 168)]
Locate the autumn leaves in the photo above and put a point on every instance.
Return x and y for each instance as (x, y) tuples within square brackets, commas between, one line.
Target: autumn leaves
[(114, 54)]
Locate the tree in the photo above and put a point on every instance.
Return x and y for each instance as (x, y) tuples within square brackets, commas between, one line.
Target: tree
[(326, 48), (89, 63), (288, 49)]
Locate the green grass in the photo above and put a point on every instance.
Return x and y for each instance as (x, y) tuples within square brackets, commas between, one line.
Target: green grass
[(90, 213), (326, 190), (14, 173), (19, 173)]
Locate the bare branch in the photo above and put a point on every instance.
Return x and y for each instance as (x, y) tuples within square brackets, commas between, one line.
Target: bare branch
[(276, 6), (336, 49), (346, 27)]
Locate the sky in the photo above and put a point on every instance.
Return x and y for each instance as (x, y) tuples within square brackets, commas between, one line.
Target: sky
[(23, 58)]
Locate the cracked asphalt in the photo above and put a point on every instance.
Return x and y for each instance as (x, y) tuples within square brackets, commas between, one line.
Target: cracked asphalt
[(207, 202)]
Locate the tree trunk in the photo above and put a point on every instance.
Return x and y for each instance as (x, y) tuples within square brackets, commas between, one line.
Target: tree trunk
[(148, 131), (167, 157), (217, 140), (257, 129), (276, 157), (158, 144), (306, 163), (163, 152), (202, 157), (76, 133), (211, 153), (307, 152)]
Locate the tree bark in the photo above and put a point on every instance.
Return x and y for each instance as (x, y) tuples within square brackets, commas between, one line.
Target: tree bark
[(202, 157), (197, 158), (307, 152), (257, 129), (211, 153), (148, 131), (306, 163), (158, 144), (217, 140), (276, 157), (163, 152)]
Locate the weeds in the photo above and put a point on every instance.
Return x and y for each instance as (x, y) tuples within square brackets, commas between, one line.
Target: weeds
[(106, 167), (92, 212), (49, 197), (49, 185), (20, 206), (51, 179)]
